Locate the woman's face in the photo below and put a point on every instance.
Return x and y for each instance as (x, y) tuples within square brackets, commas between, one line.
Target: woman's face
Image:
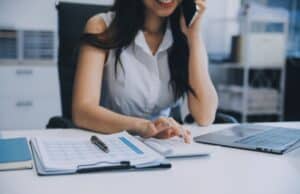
[(162, 8)]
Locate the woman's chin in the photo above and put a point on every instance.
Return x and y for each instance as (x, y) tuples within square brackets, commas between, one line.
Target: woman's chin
[(164, 13)]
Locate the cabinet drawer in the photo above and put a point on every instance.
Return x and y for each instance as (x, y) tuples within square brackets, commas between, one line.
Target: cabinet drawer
[(20, 80), (27, 113)]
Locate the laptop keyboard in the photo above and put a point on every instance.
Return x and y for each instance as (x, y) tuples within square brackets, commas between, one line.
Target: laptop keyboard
[(277, 138)]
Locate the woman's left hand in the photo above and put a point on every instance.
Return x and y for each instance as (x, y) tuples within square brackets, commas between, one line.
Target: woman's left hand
[(194, 29)]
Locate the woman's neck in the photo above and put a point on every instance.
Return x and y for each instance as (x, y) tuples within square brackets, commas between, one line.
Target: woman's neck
[(154, 24)]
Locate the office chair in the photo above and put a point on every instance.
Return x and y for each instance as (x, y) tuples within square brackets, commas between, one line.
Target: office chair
[(71, 21)]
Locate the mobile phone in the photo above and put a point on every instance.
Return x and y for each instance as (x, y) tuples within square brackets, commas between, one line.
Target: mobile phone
[(190, 11)]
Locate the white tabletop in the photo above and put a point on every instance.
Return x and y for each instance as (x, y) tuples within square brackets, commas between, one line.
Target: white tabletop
[(226, 171)]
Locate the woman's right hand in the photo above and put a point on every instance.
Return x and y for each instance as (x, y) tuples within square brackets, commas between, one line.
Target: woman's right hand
[(172, 128), (162, 128), (146, 129)]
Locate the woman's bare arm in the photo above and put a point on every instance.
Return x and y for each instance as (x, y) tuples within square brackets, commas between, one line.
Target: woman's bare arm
[(204, 104)]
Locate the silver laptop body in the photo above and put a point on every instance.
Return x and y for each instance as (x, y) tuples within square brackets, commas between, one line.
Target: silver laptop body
[(276, 140)]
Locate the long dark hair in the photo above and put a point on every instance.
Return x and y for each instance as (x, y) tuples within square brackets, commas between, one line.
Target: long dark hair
[(129, 19)]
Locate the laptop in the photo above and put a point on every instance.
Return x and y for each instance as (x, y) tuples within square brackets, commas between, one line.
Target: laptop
[(276, 140)]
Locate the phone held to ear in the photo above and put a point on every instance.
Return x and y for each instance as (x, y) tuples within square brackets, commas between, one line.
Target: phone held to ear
[(190, 11)]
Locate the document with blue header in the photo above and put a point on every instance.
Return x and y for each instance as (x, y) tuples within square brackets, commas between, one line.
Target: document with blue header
[(78, 155)]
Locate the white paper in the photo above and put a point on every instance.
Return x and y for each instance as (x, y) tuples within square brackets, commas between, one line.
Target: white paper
[(72, 153), (175, 147)]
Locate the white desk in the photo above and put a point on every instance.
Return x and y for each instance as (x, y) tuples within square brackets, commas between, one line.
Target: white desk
[(226, 171)]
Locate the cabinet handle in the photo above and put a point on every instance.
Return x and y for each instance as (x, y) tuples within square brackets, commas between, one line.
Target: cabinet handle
[(24, 71), (24, 104)]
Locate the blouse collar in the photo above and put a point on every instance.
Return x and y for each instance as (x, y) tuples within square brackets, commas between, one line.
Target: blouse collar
[(165, 44)]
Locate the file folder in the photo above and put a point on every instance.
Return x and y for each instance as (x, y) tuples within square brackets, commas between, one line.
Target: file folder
[(136, 156)]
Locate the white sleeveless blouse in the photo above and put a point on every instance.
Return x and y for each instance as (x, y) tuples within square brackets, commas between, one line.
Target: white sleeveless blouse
[(141, 88)]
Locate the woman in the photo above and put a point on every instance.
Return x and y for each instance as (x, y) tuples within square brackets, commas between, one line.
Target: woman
[(138, 60)]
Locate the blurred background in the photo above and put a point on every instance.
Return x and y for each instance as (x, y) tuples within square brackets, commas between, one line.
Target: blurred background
[(253, 46)]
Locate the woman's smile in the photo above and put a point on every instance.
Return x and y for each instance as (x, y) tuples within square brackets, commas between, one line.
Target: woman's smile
[(162, 8), (166, 3)]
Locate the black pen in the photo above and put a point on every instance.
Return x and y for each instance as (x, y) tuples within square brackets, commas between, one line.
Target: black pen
[(100, 144)]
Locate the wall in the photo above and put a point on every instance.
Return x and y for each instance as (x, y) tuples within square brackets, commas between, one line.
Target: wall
[(220, 23), (33, 14)]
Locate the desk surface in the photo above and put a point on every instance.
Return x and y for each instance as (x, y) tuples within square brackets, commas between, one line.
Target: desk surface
[(226, 171)]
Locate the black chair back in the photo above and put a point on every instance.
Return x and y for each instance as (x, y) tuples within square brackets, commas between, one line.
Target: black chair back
[(72, 18), (292, 93)]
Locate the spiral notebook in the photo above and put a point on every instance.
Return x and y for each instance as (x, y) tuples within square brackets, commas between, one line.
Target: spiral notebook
[(55, 156)]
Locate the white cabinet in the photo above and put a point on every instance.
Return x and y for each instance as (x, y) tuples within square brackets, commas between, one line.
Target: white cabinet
[(28, 79), (29, 87), (29, 95)]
